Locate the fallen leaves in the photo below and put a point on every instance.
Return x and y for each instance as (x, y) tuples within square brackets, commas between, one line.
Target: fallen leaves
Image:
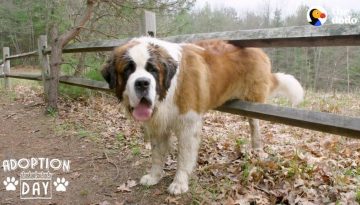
[(298, 166), (75, 175), (126, 187), (172, 200)]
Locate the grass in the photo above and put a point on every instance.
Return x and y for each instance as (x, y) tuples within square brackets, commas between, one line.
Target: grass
[(337, 102), (239, 142), (353, 172), (210, 192), (94, 74), (61, 129), (145, 189), (70, 128), (82, 133), (197, 192), (11, 95), (84, 192), (120, 137), (136, 151), (74, 92), (246, 167), (51, 112)]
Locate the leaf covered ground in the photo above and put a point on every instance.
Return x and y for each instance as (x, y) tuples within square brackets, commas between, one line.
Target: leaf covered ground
[(298, 166)]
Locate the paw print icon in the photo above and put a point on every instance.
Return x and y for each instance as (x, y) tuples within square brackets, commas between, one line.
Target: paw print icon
[(10, 183), (61, 184)]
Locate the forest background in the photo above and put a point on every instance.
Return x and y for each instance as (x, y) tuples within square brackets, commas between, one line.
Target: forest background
[(318, 68)]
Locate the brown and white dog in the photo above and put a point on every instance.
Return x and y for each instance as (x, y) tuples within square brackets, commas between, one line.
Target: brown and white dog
[(170, 86)]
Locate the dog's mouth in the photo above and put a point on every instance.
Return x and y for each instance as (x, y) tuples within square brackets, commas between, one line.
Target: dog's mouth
[(142, 111)]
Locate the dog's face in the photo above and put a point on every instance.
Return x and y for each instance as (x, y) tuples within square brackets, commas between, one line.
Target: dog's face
[(141, 74)]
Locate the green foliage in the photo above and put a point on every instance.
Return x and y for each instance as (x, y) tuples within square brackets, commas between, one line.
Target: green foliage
[(22, 21), (315, 68), (92, 72), (74, 92), (120, 137), (357, 199), (92, 66), (136, 151), (240, 142), (246, 167), (51, 112)]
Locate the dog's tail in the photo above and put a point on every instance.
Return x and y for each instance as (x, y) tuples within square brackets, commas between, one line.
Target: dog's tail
[(287, 86)]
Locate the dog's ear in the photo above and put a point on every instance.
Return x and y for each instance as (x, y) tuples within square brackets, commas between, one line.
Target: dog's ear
[(109, 74), (170, 66)]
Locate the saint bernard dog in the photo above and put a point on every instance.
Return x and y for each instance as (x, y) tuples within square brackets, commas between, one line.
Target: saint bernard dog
[(170, 86)]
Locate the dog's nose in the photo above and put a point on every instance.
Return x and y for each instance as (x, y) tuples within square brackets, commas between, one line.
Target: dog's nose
[(142, 84)]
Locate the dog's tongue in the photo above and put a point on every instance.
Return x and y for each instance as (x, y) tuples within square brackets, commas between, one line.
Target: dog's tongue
[(142, 112)]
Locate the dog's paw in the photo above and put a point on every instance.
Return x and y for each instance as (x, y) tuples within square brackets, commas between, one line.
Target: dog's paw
[(148, 145), (149, 180), (178, 188)]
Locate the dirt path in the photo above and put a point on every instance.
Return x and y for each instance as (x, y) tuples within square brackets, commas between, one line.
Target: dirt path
[(95, 172), (108, 156)]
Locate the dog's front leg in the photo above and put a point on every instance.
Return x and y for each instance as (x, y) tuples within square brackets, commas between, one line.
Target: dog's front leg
[(188, 145), (159, 149)]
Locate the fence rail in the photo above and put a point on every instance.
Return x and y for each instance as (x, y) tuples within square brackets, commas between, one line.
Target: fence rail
[(32, 53), (320, 121), (297, 36), (300, 36), (22, 76), (69, 80)]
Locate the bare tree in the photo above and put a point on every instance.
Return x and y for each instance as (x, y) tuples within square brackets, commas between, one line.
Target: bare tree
[(57, 44)]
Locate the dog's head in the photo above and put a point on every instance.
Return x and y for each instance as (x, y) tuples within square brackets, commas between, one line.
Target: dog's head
[(140, 72)]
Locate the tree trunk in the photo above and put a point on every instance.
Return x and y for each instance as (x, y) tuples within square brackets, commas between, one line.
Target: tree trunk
[(55, 62), (58, 43)]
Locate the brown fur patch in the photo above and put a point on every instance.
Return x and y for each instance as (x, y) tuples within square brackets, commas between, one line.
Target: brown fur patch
[(113, 69), (166, 66), (210, 77)]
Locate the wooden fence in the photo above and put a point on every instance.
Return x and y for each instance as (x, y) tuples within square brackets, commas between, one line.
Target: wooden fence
[(300, 36)]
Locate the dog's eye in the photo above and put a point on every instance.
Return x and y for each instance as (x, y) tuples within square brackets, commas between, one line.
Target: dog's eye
[(130, 68), (151, 69)]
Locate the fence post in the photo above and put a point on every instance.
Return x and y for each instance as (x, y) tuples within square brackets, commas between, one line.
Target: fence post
[(44, 64), (1, 68), (149, 24), (6, 67)]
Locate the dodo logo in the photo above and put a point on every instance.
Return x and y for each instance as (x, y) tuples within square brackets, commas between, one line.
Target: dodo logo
[(316, 16)]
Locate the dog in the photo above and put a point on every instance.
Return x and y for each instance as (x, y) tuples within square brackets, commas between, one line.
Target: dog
[(170, 86)]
